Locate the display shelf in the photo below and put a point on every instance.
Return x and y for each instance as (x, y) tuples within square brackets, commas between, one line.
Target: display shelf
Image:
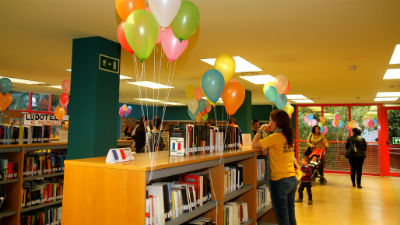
[(260, 182), (41, 146), (43, 176), (263, 211), (237, 193), (193, 214), (6, 213), (9, 181), (10, 149), (250, 221), (27, 209)]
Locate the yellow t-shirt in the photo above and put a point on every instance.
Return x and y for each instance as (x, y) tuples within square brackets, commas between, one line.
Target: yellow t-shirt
[(280, 156)]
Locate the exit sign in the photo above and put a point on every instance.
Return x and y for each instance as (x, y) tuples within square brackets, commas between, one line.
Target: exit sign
[(396, 140), (108, 64)]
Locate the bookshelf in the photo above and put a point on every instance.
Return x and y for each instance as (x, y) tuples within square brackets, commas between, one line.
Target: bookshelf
[(11, 210), (120, 189)]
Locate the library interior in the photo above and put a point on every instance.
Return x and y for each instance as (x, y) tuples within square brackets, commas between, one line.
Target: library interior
[(161, 112)]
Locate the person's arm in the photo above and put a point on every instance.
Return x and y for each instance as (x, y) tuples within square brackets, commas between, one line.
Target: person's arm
[(309, 141), (296, 163), (325, 141), (256, 141)]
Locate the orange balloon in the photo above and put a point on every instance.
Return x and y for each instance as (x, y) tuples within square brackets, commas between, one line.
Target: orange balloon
[(323, 120), (198, 93), (126, 7), (5, 101), (336, 123), (198, 118), (59, 112), (233, 97)]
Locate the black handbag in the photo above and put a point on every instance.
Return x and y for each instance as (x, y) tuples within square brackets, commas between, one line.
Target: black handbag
[(309, 149)]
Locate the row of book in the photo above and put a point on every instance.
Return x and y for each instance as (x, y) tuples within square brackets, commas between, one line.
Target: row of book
[(263, 197), (8, 170), (233, 177), (169, 200), (46, 216), (195, 139), (10, 134), (235, 213), (260, 169), (41, 191), (43, 162)]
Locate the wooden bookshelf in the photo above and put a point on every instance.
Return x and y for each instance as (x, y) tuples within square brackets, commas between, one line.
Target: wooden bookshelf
[(6, 213), (9, 181), (39, 206), (264, 211), (43, 176), (120, 188)]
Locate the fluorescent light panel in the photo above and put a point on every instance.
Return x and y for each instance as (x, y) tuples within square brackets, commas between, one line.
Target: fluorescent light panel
[(123, 77), (147, 100), (173, 103), (396, 55), (55, 86), (22, 81), (292, 97), (303, 101), (150, 84), (388, 94), (242, 65), (392, 105), (386, 99), (392, 74), (258, 79)]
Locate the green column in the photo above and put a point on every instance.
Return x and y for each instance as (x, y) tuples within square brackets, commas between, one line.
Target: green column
[(93, 107), (243, 114)]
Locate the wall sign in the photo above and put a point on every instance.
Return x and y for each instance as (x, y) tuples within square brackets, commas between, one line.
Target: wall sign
[(396, 140), (41, 119), (108, 64)]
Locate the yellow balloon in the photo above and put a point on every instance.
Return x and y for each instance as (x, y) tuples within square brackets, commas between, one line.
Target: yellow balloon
[(226, 65), (189, 91), (268, 84)]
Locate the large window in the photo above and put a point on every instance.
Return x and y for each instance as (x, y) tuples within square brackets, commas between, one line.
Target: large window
[(336, 118), (40, 102), (308, 116), (367, 120), (55, 102), (20, 101)]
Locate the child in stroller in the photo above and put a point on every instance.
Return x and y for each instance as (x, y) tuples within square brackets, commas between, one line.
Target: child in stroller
[(317, 165)]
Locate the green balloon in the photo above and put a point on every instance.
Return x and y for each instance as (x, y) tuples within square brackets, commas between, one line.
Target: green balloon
[(5, 85), (186, 21), (141, 32), (204, 118)]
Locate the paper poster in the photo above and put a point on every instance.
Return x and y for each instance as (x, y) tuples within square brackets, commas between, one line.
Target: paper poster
[(246, 139)]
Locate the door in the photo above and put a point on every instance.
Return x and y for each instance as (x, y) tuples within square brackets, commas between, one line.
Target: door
[(393, 115)]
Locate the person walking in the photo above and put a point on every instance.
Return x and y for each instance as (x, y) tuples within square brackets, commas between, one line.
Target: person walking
[(356, 148)]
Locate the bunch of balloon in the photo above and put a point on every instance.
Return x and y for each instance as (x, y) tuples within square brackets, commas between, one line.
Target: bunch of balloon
[(323, 129), (5, 97), (352, 124), (337, 122), (166, 22), (289, 109), (125, 111), (59, 111), (198, 107), (370, 122), (276, 91)]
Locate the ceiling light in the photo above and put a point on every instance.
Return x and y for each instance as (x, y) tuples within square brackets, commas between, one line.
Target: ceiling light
[(291, 97), (386, 99), (123, 77), (392, 105), (388, 94), (303, 101), (22, 81), (147, 100), (258, 79), (396, 55), (150, 84), (392, 74), (173, 103), (242, 65), (55, 86), (68, 70)]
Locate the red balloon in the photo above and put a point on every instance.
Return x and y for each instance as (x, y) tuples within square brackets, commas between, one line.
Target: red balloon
[(122, 39), (66, 85), (233, 97), (64, 99), (287, 88)]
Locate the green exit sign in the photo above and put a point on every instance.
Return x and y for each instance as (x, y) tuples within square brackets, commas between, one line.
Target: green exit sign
[(396, 140), (108, 64)]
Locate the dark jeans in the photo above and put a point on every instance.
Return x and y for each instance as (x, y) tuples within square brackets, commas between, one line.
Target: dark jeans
[(301, 189), (283, 193), (356, 164)]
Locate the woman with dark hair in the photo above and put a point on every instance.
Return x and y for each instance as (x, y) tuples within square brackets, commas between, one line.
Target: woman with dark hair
[(139, 134), (318, 144), (356, 148), (280, 147)]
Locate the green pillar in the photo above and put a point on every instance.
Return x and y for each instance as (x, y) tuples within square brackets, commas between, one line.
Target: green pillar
[(93, 107), (243, 114)]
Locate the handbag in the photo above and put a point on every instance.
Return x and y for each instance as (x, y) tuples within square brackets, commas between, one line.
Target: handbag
[(352, 148), (309, 149)]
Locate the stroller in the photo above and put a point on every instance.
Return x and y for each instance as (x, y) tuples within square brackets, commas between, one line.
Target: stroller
[(318, 168)]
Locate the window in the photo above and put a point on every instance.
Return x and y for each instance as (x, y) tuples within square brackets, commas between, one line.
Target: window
[(367, 119), (55, 102), (336, 118), (20, 100), (304, 123), (40, 102)]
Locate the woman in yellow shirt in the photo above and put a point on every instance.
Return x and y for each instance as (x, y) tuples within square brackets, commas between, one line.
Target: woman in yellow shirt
[(280, 147)]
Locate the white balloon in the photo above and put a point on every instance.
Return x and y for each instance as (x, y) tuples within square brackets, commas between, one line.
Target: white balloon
[(281, 83), (164, 10), (192, 105)]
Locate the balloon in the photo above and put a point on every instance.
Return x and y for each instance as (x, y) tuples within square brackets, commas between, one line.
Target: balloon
[(5, 101), (204, 118), (371, 124), (212, 84), (348, 128), (126, 7), (193, 105), (287, 88), (289, 109), (271, 94), (5, 85), (124, 107), (321, 129), (191, 115), (340, 123), (356, 125), (323, 120), (336, 123), (266, 85), (233, 97), (164, 10), (337, 117), (66, 85), (366, 121), (209, 108), (186, 20), (128, 112), (281, 83), (314, 122), (226, 65), (130, 108), (121, 38), (202, 105), (204, 112), (198, 93), (198, 117), (64, 99), (281, 101), (305, 119), (325, 130), (189, 91), (309, 123), (141, 32), (59, 112), (161, 34), (320, 124), (310, 117), (375, 121), (121, 113), (173, 48), (333, 123)]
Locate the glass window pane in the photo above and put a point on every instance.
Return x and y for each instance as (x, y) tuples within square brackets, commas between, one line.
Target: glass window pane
[(339, 131), (40, 102), (304, 123), (367, 119), (394, 135), (20, 100), (55, 102)]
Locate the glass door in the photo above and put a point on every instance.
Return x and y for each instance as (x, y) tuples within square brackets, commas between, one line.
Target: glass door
[(393, 115)]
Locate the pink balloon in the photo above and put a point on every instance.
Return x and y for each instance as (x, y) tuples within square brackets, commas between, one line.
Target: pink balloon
[(348, 128), (66, 85), (337, 117), (371, 124), (305, 119), (121, 113), (173, 48), (161, 34), (325, 130), (128, 111), (314, 122)]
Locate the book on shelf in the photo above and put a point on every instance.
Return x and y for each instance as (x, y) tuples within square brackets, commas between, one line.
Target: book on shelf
[(43, 162), (41, 191), (200, 221), (8, 170), (12, 134), (235, 213), (233, 177), (260, 169), (196, 139), (169, 200), (263, 197), (42, 217)]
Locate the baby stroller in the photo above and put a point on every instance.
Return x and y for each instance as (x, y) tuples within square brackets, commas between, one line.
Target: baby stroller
[(318, 168)]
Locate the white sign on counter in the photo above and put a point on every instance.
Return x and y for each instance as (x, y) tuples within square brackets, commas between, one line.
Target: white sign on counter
[(41, 119)]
